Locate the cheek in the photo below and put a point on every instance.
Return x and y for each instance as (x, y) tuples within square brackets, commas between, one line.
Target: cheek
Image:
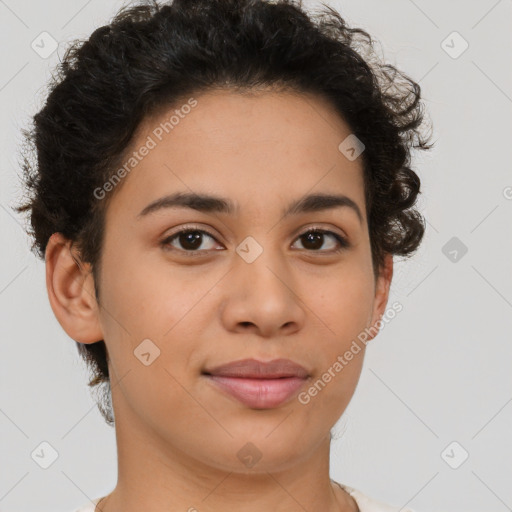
[(139, 296), (157, 303), (344, 301), (343, 307)]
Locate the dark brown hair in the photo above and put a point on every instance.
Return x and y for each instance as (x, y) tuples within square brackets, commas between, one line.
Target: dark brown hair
[(152, 55)]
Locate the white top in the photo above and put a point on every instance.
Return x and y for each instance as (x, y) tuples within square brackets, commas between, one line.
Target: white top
[(364, 503)]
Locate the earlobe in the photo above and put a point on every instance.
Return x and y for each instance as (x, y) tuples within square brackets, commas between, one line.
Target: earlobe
[(70, 287), (382, 287)]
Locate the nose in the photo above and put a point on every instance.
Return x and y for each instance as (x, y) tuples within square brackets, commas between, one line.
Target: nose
[(262, 297)]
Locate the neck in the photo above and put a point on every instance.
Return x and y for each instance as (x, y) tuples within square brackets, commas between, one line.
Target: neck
[(156, 473)]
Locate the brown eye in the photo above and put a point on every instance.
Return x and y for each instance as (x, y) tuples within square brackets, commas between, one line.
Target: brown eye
[(188, 240), (314, 239)]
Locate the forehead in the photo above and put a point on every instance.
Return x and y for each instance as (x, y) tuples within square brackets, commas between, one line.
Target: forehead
[(260, 147)]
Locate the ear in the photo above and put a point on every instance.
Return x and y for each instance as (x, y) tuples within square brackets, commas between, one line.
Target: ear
[(70, 287), (382, 286)]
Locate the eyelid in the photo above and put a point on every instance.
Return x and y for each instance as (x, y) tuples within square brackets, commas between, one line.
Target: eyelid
[(320, 227)]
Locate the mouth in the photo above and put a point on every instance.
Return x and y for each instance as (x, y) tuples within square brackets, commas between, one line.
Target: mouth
[(257, 384)]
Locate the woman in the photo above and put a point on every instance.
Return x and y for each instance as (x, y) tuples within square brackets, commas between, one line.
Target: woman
[(220, 189)]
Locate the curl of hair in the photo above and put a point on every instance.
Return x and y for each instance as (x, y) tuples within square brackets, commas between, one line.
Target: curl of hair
[(152, 55)]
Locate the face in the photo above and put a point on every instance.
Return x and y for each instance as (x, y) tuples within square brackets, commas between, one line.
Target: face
[(250, 282)]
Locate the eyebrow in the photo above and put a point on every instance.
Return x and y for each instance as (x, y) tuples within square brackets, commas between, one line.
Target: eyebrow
[(209, 203)]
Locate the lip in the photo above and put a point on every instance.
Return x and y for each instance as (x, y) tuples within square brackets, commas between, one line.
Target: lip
[(259, 384), (254, 369)]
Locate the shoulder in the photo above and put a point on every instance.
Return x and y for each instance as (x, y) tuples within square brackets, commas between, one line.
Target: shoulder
[(89, 507), (367, 504)]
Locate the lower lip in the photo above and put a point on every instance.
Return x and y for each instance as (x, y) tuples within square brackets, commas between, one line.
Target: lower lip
[(259, 393)]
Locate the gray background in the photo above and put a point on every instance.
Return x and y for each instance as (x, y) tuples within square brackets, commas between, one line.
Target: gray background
[(438, 373)]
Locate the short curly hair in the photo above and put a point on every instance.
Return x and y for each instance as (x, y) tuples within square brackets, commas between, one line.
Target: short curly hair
[(152, 55)]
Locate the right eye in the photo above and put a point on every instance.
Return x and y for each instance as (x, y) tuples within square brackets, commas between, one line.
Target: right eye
[(190, 239)]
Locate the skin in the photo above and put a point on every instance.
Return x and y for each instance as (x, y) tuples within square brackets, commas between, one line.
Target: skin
[(178, 435)]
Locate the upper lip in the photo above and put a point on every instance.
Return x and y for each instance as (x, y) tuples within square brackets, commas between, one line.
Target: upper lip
[(254, 369)]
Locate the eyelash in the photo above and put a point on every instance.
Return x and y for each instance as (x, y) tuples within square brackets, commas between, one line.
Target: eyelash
[(342, 241)]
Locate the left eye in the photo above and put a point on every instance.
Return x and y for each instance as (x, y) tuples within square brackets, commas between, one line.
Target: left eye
[(191, 240), (314, 237)]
